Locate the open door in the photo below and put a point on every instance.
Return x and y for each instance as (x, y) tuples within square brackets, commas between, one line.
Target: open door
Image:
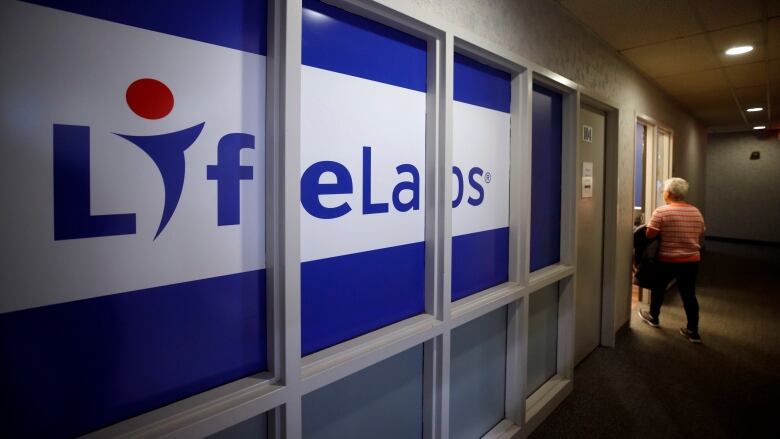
[(658, 169), (652, 167)]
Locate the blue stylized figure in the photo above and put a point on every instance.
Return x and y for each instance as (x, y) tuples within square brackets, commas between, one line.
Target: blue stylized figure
[(167, 152), (152, 99)]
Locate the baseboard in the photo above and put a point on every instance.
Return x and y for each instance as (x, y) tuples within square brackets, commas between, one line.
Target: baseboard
[(743, 241)]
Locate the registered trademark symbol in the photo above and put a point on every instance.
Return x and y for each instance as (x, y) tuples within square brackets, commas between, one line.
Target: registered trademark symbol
[(488, 177)]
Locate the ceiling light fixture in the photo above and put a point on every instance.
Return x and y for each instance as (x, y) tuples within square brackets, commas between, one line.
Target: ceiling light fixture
[(739, 50), (754, 109), (759, 127)]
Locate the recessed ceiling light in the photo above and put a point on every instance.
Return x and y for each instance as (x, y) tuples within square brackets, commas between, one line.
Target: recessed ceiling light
[(754, 109), (739, 50), (759, 127)]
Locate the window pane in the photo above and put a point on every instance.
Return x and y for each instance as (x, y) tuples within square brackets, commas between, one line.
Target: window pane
[(480, 180), (363, 106), (546, 177), (478, 375), (136, 275), (542, 336), (381, 401), (639, 165), (661, 166), (254, 428)]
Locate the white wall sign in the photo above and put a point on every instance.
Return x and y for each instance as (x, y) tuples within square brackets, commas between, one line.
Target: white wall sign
[(587, 169), (587, 187)]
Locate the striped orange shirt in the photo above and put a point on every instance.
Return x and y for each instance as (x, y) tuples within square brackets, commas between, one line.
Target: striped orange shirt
[(680, 226)]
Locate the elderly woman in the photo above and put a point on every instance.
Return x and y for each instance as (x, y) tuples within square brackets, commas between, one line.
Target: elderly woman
[(680, 226)]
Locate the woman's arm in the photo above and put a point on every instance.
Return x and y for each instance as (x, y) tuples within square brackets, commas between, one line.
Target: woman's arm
[(651, 232)]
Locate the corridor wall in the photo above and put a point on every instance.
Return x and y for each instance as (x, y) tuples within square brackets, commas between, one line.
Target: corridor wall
[(743, 192)]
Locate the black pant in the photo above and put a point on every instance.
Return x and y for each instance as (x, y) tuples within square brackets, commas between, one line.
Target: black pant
[(686, 282)]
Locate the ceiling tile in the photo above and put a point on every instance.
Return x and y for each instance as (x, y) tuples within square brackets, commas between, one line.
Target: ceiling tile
[(703, 100), (683, 55), (747, 35), (773, 8), (626, 24), (773, 37), (757, 118), (752, 96), (697, 82), (774, 73), (719, 116), (717, 14), (747, 75)]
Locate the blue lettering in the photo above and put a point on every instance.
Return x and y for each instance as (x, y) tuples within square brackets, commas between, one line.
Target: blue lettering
[(228, 172), (478, 187), (413, 186), (73, 217), (311, 189), (459, 191), (368, 207)]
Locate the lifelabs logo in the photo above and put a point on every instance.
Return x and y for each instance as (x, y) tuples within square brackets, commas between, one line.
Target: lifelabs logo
[(153, 100)]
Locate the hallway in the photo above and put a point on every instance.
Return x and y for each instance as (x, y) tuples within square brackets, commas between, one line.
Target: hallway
[(655, 384)]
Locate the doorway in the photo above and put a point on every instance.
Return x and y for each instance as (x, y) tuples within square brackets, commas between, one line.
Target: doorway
[(652, 167)]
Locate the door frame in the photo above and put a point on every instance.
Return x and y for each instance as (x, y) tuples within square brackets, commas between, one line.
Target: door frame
[(654, 129), (609, 270)]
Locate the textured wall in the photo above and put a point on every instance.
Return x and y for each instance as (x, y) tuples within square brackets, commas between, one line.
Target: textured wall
[(743, 195), (545, 33)]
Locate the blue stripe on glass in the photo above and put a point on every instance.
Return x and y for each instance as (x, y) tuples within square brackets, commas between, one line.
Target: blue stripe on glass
[(237, 24), (71, 368), (342, 42), (479, 261), (482, 85), (547, 120), (347, 296)]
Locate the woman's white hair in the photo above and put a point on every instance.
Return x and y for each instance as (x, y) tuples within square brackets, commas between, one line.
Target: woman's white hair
[(677, 188)]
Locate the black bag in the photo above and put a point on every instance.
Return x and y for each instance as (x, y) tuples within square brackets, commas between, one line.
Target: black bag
[(646, 265)]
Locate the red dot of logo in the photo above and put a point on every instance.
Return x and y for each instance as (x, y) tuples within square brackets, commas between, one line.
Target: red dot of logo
[(149, 98)]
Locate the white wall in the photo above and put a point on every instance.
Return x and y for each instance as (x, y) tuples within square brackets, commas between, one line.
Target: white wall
[(743, 195), (547, 34)]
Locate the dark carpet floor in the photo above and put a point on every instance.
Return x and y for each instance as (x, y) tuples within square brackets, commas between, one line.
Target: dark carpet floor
[(655, 384)]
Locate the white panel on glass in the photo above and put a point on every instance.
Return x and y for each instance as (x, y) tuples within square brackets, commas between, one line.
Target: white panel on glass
[(478, 375), (542, 336), (382, 401), (255, 428)]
